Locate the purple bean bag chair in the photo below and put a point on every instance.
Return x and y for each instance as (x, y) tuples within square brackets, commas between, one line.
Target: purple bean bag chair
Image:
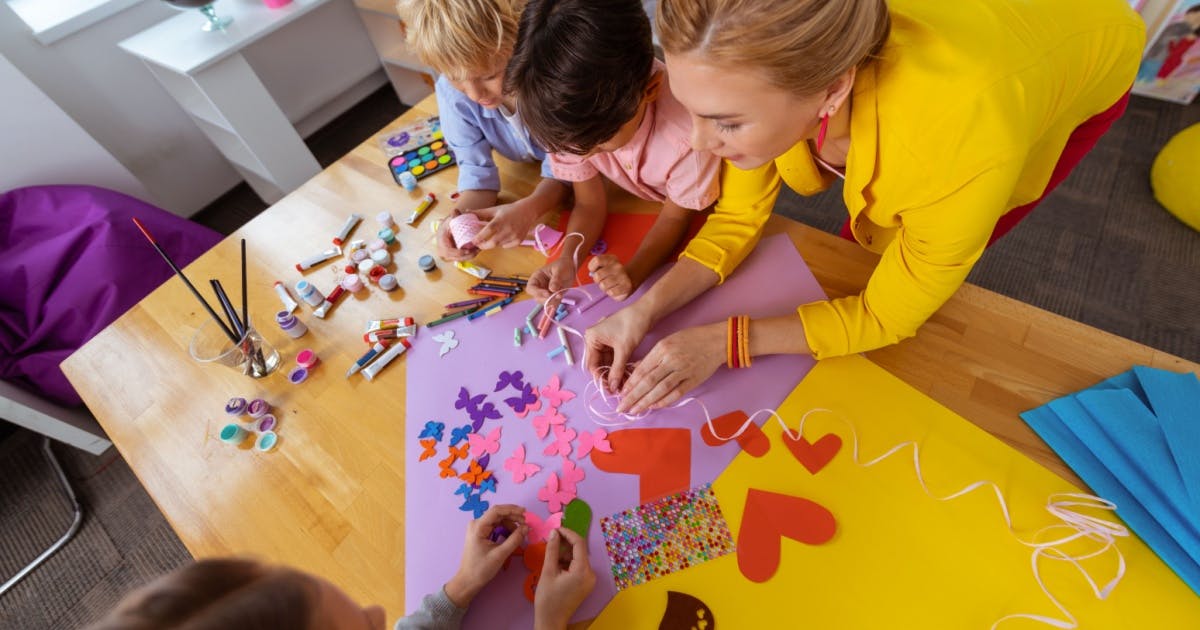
[(72, 261)]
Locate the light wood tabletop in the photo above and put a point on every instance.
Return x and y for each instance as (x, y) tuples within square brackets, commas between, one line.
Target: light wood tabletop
[(330, 498)]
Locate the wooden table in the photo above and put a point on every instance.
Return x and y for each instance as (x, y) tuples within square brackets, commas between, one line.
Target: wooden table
[(330, 498)]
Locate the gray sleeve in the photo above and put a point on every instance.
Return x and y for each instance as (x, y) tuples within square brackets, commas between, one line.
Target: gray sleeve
[(437, 612)]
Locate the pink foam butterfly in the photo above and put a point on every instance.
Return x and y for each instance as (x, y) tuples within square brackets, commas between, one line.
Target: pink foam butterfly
[(542, 423), (516, 464), (539, 529), (562, 441), (554, 495), (554, 395), (596, 440), (481, 444), (571, 475), (536, 406)]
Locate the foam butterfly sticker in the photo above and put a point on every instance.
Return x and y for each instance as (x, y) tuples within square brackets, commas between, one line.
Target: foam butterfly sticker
[(520, 470), (539, 529), (433, 430), (459, 452), (542, 423), (475, 474), (448, 342), (484, 412), (553, 393), (475, 504), (570, 476), (481, 444), (525, 397), (562, 441), (515, 379), (536, 406), (448, 467), (484, 461), (554, 495), (487, 485), (597, 440), (430, 446), (459, 434), (467, 401), (464, 489)]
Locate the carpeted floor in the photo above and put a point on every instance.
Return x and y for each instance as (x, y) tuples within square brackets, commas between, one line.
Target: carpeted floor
[(1099, 250)]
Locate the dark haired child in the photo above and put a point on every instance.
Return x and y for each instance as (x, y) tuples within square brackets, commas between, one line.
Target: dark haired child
[(591, 92)]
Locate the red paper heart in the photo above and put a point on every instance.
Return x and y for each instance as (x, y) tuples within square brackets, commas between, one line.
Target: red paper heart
[(813, 455), (766, 519), (662, 458), (752, 440)]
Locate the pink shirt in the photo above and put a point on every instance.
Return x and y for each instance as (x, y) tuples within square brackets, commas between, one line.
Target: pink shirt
[(658, 163)]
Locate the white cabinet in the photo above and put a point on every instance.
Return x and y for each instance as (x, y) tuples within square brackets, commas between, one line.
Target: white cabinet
[(411, 79)]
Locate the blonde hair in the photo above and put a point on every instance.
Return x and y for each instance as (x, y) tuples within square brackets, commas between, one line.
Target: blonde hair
[(457, 37), (801, 46)]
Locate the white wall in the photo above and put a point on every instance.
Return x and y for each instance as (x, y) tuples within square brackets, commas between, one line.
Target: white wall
[(45, 146), (120, 104)]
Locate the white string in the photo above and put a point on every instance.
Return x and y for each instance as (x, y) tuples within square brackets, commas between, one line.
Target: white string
[(1060, 506)]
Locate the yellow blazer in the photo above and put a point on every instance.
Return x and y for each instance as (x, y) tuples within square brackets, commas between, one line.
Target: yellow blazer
[(961, 118)]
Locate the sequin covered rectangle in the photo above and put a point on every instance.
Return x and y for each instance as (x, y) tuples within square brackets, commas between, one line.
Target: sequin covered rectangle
[(665, 536)]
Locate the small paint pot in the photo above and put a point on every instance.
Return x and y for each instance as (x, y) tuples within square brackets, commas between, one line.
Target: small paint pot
[(387, 236), (408, 181), (366, 264), (306, 359), (266, 423), (360, 255), (376, 273), (385, 219), (352, 282), (297, 375), (235, 406), (233, 434), (266, 441), (376, 245), (388, 282), (426, 263), (257, 408), (381, 257)]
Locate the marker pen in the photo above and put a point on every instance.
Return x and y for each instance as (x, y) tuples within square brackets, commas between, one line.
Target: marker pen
[(351, 221), (424, 205), (313, 261), (371, 371), (366, 358)]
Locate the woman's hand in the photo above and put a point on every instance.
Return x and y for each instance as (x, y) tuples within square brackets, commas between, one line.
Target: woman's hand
[(482, 558), (611, 276), (611, 341), (445, 242), (675, 366), (561, 589)]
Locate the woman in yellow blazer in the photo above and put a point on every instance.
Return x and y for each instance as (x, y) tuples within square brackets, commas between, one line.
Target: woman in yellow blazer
[(948, 120)]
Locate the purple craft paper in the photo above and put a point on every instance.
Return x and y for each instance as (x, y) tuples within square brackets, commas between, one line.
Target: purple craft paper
[(772, 281)]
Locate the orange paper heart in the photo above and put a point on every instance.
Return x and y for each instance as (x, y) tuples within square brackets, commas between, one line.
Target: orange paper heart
[(770, 516), (814, 455), (662, 459), (752, 440)]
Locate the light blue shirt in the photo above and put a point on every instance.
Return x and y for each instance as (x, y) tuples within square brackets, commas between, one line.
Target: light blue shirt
[(474, 131)]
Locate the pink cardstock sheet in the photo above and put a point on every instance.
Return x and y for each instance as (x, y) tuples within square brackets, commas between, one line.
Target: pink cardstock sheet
[(772, 281)]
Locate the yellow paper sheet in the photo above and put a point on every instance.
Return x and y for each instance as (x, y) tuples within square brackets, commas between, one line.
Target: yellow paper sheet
[(901, 559)]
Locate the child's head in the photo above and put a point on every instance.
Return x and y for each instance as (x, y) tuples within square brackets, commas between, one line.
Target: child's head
[(581, 72), (469, 41), (231, 593)]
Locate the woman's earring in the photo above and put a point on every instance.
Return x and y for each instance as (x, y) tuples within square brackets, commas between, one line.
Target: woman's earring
[(821, 133)]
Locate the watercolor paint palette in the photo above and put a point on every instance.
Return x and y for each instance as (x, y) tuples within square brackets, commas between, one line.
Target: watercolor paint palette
[(423, 161)]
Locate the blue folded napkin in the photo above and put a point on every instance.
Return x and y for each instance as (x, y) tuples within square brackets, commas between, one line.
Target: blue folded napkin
[(1128, 438)]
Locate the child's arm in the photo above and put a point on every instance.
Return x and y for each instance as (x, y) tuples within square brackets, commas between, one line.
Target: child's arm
[(511, 222), (587, 218), (619, 281)]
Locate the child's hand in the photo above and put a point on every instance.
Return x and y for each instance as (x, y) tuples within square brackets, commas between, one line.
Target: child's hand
[(507, 225), (551, 278), (482, 558), (561, 589), (610, 274), (445, 242)]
